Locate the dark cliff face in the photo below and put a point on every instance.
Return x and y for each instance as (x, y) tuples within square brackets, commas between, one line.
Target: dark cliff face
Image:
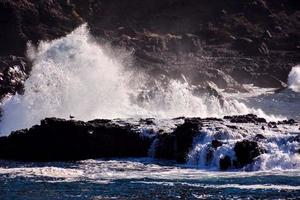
[(33, 20), (226, 42)]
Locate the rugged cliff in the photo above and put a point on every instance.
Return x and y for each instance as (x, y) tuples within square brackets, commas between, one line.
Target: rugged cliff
[(228, 43)]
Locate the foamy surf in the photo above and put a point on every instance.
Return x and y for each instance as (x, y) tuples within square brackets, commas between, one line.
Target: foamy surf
[(121, 179)]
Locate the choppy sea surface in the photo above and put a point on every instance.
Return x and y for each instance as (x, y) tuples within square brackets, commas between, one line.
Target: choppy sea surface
[(142, 178)]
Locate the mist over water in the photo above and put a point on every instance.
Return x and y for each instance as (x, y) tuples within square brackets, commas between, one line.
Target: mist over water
[(294, 79), (75, 76)]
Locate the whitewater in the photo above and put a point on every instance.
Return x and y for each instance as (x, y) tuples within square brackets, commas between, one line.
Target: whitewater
[(294, 79), (76, 76), (140, 179)]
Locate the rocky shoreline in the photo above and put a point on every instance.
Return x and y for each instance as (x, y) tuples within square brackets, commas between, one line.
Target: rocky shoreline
[(68, 140)]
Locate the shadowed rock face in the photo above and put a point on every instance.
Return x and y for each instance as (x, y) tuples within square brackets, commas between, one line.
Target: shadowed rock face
[(57, 139), (13, 73), (33, 20), (176, 146), (228, 43), (246, 151)]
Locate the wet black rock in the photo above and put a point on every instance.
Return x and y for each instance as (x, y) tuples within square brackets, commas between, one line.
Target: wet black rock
[(250, 118), (13, 73), (259, 137), (175, 146), (147, 121), (295, 138), (216, 143), (246, 151), (272, 124), (58, 139), (289, 122), (225, 163)]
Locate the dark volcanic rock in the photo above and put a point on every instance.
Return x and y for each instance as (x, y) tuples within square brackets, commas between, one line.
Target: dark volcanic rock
[(216, 143), (58, 139), (33, 20), (289, 122), (175, 146), (259, 137), (246, 151), (225, 163), (250, 118), (13, 73)]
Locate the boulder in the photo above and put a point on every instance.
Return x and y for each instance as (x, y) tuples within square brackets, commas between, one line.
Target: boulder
[(246, 151)]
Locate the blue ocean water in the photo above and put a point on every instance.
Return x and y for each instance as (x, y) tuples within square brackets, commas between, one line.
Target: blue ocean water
[(140, 179), (282, 103)]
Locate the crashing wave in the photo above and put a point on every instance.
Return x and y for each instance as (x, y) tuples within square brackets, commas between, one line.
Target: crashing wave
[(294, 79), (75, 76)]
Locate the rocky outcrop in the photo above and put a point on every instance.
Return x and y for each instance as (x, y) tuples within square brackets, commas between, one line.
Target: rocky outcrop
[(57, 139), (176, 146), (250, 118), (63, 140)]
